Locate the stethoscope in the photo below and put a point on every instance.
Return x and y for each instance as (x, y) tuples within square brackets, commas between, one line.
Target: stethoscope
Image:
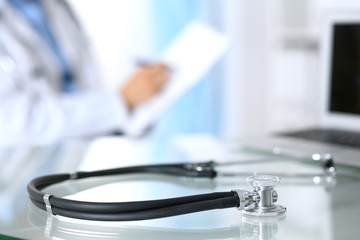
[(259, 202)]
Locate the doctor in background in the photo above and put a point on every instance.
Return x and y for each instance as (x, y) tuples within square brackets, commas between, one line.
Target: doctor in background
[(49, 87)]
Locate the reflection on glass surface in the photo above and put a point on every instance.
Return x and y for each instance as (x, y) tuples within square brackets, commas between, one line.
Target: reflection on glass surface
[(263, 228), (63, 228)]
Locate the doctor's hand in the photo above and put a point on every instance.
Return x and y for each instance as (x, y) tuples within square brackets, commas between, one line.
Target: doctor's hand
[(146, 82)]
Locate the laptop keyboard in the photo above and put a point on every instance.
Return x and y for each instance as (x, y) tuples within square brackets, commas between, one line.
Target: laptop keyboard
[(346, 138)]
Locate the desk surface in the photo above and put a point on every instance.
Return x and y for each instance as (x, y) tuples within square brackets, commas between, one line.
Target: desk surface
[(317, 208)]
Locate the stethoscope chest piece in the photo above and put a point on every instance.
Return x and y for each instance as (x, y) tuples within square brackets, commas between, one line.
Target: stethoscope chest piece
[(264, 189)]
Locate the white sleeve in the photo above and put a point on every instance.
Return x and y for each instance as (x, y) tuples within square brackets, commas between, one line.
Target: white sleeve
[(46, 118)]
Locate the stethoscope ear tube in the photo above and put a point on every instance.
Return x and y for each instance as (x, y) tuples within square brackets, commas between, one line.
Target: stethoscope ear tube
[(153, 213), (130, 211)]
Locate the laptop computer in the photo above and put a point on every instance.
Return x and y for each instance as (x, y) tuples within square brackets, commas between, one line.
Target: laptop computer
[(338, 130)]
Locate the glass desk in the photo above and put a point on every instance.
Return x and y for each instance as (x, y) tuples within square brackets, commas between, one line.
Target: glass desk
[(317, 207)]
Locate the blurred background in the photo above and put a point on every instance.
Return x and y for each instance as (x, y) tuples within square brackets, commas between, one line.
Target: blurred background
[(268, 80)]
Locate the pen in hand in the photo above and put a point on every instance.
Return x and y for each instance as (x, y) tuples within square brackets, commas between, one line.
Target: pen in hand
[(147, 81)]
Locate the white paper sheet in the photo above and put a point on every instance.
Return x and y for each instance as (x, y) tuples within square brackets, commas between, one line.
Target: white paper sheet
[(191, 55)]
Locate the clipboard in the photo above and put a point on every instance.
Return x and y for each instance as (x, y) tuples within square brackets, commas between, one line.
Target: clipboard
[(190, 56)]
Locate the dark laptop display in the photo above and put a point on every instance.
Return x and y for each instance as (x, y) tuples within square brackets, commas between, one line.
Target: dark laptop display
[(345, 69)]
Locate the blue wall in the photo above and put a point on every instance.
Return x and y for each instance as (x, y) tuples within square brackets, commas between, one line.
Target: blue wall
[(196, 111)]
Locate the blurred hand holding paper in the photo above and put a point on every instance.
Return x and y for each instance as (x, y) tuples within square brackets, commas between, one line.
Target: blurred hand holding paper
[(190, 56)]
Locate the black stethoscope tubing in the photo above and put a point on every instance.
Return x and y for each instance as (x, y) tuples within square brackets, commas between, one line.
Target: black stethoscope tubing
[(131, 211)]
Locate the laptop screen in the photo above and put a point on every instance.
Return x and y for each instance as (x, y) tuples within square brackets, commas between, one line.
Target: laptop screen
[(345, 69)]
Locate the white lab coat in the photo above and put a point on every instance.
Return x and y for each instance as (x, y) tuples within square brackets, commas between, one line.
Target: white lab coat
[(33, 109)]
